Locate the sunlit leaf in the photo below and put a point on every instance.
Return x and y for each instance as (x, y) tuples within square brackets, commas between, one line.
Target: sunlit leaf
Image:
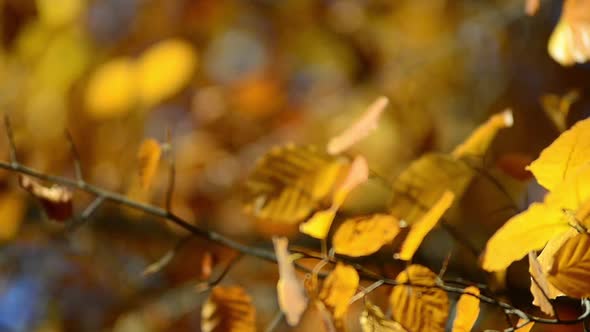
[(467, 310), (111, 89), (290, 292), (291, 182), (319, 224), (525, 328), (148, 158), (164, 69), (360, 129), (571, 268), (570, 41), (362, 236), (479, 141), (558, 107), (373, 320), (55, 199), (338, 288), (66, 12), (423, 226), (564, 156), (228, 309), (539, 285), (418, 308)]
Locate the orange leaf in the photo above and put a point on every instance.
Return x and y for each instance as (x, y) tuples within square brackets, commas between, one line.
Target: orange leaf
[(228, 309), (467, 310), (339, 288), (365, 235), (290, 293), (148, 157), (56, 200)]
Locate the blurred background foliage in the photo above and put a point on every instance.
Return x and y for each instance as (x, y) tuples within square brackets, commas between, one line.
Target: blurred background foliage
[(230, 79)]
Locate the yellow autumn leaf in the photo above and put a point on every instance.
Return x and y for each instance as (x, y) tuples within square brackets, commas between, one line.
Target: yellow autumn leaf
[(571, 267), (57, 15), (525, 328), (479, 141), (12, 210), (467, 310), (362, 236), (569, 43), (228, 309), (291, 182), (422, 227), (111, 90), (540, 285), (366, 124), (558, 107), (290, 292), (418, 308), (164, 69), (319, 224), (373, 320), (148, 158), (338, 289), (563, 158)]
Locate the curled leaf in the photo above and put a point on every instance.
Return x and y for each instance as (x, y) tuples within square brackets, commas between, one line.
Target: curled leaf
[(360, 129), (467, 310), (571, 268), (290, 292), (479, 141), (148, 158), (228, 309), (338, 289), (365, 235), (56, 200)]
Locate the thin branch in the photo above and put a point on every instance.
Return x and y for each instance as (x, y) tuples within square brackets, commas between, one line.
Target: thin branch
[(171, 170), (207, 285), (10, 136), (76, 157), (274, 323)]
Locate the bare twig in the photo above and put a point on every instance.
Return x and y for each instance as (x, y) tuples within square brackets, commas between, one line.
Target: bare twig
[(76, 157), (171, 170)]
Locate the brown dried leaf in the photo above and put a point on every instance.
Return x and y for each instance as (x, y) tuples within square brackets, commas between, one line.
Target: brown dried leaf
[(540, 285), (56, 200), (228, 309), (338, 288), (467, 310), (290, 292), (148, 158), (571, 268), (419, 308), (373, 320), (362, 236)]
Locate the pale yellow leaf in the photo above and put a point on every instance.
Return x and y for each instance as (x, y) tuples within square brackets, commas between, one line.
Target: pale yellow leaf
[(422, 227), (571, 267), (228, 309), (55, 199), (360, 129), (373, 320), (467, 310), (419, 308), (290, 292), (479, 141), (338, 289), (362, 236), (570, 41), (319, 224), (148, 158)]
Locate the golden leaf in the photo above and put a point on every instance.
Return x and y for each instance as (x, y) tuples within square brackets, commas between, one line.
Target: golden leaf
[(111, 90), (362, 236), (373, 320), (417, 308), (531, 7), (570, 41), (360, 129), (564, 157), (55, 16), (56, 200), (467, 310), (558, 107), (291, 182), (12, 210), (540, 285), (423, 226), (571, 268), (319, 224), (338, 288), (228, 309), (525, 328), (164, 69), (148, 157), (290, 292), (479, 141)]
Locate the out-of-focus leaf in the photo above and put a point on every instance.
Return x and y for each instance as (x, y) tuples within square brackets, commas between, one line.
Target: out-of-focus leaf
[(558, 107), (338, 288), (362, 236), (290, 292), (319, 224), (148, 158), (56, 200), (564, 156), (164, 69), (467, 310), (55, 16), (373, 320), (571, 268), (419, 308), (479, 141), (423, 226), (111, 90), (531, 7), (12, 210), (540, 285), (228, 309), (291, 182), (360, 129), (570, 42)]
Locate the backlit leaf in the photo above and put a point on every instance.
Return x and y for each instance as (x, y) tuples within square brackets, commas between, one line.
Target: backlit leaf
[(373, 320), (360, 129), (55, 16), (228, 309), (362, 236), (571, 268), (338, 288), (55, 199), (525, 328), (417, 308), (291, 182), (319, 224), (423, 226), (479, 141), (467, 310), (564, 156), (570, 41), (290, 292), (558, 107), (540, 285), (148, 157)]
